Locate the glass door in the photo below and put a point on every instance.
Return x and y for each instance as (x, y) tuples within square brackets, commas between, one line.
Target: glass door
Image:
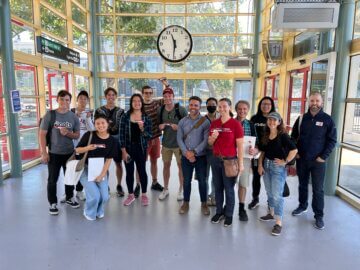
[(272, 88), (55, 81)]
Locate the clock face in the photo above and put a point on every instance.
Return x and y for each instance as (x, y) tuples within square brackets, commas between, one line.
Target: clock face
[(174, 43)]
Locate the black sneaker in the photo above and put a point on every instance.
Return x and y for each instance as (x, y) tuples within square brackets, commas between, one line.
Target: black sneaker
[(254, 203), (53, 209), (243, 215), (268, 217), (73, 203), (120, 191), (298, 211), (217, 218), (276, 230), (319, 223), (137, 191), (157, 187), (228, 221)]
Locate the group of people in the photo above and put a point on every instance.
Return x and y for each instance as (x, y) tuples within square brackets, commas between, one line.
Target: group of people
[(199, 144)]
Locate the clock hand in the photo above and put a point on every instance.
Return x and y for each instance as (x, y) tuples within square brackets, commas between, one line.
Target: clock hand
[(174, 45)]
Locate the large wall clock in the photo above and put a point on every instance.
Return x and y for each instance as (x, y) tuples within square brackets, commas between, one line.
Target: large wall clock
[(174, 43)]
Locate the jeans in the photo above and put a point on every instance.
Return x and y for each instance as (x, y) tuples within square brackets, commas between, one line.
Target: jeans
[(222, 182), (304, 169), (256, 184), (209, 156), (274, 181), (200, 169), (56, 162), (139, 157), (97, 194)]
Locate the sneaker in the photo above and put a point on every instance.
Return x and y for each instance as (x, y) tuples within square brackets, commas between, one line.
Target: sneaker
[(276, 230), (205, 209), (137, 191), (119, 191), (319, 223), (298, 211), (144, 200), (73, 203), (217, 218), (163, 194), (243, 215), (157, 187), (81, 195), (129, 200), (88, 218), (100, 216), (184, 208), (254, 203), (228, 221), (268, 217), (53, 209), (180, 195), (63, 199)]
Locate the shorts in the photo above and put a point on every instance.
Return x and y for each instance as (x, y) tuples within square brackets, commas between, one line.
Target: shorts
[(245, 175), (167, 154), (153, 149), (117, 155)]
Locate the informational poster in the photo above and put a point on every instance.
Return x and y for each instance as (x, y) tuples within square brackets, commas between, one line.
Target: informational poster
[(15, 101)]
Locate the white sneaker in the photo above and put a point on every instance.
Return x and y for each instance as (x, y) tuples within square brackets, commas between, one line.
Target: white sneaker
[(81, 195), (180, 196), (164, 194), (63, 198)]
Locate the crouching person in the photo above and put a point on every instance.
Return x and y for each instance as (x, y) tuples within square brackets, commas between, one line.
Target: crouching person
[(102, 145)]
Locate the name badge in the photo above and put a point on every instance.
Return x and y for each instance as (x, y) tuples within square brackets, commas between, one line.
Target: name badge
[(320, 124)]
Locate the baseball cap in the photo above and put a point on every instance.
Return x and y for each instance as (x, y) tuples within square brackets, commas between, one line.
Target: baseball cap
[(168, 90), (274, 115)]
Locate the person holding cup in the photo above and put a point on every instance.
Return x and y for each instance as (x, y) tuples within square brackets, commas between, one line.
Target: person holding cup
[(135, 132)]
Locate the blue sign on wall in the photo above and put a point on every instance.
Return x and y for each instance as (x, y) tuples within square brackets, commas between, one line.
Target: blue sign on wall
[(15, 101)]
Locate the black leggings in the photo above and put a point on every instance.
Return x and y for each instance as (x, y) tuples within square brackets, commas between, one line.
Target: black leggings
[(139, 158), (256, 184)]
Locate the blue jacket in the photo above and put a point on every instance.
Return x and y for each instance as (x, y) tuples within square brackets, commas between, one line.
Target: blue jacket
[(125, 132), (317, 136)]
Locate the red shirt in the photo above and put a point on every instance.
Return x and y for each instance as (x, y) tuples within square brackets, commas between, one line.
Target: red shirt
[(225, 144)]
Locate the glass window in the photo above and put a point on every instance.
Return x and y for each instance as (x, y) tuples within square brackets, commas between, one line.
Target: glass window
[(175, 8), (105, 83), (106, 44), (107, 62), (209, 88), (349, 177), (206, 64), (297, 87), (29, 113), (23, 39), (5, 153), (127, 87), (106, 24), (214, 7), (25, 80), (246, 6), (128, 24), (133, 7), (81, 83), (78, 15), (357, 21), (352, 124), (295, 111), (220, 44), (245, 24), (29, 144), (175, 20), (354, 78), (23, 9), (175, 67), (105, 6), (53, 23), (84, 61), (136, 44), (82, 2), (243, 91), (244, 42), (132, 63), (213, 24), (60, 5), (79, 37)]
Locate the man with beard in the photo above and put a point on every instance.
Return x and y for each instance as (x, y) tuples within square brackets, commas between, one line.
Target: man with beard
[(315, 134)]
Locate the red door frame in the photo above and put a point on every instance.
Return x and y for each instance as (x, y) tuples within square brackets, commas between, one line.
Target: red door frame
[(302, 99), (49, 76), (273, 78)]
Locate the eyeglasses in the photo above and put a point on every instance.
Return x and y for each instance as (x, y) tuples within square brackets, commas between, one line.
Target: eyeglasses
[(148, 93)]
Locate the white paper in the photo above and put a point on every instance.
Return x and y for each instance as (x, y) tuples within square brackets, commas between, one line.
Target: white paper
[(248, 141), (95, 167)]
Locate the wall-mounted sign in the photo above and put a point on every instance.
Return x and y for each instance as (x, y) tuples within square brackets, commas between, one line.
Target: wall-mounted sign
[(15, 101), (57, 50)]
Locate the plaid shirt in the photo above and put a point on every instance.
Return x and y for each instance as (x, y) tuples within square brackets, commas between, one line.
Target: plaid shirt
[(248, 130), (125, 132)]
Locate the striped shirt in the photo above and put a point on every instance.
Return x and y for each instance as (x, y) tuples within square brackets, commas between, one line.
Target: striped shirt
[(151, 111)]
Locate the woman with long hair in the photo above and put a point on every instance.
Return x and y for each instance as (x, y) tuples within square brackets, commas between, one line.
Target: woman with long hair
[(102, 145), (135, 132), (226, 137), (278, 150)]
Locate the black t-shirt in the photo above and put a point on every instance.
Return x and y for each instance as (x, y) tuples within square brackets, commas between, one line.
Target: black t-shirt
[(279, 147), (106, 147), (259, 122), (135, 132)]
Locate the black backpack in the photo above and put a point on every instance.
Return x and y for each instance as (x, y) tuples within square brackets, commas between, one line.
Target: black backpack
[(51, 125), (177, 112)]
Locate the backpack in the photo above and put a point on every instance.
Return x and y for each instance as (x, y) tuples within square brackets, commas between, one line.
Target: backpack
[(51, 125), (177, 112)]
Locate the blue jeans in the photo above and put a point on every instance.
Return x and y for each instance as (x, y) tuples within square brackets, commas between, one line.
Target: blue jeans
[(209, 156), (200, 169), (97, 194), (317, 170), (274, 181), (222, 182)]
